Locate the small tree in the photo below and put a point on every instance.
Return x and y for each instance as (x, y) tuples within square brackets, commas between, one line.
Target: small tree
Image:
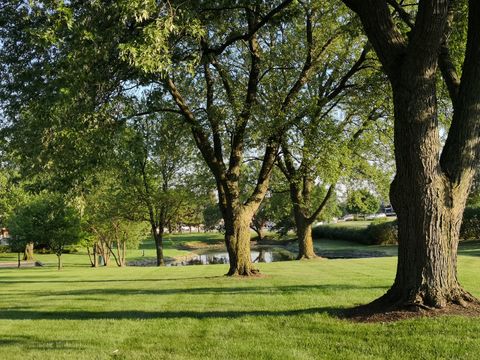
[(46, 219), (362, 201)]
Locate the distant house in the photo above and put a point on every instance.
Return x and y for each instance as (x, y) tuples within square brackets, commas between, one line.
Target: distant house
[(4, 236)]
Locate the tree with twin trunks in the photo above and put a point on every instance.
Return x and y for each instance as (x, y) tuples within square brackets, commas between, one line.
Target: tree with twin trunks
[(432, 182)]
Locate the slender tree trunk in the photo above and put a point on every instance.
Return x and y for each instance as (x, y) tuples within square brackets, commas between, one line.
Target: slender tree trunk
[(28, 254), (90, 256), (104, 252), (111, 252), (124, 253), (428, 205), (158, 237), (259, 232), (237, 239), (59, 257), (121, 261), (261, 256), (257, 227), (95, 255)]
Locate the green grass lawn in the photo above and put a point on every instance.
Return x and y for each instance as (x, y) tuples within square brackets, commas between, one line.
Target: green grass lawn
[(196, 313)]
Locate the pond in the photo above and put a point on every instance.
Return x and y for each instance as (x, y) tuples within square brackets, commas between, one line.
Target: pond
[(265, 255), (209, 256)]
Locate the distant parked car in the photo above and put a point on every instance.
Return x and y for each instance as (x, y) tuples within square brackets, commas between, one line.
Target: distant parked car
[(389, 211), (348, 217), (375, 216)]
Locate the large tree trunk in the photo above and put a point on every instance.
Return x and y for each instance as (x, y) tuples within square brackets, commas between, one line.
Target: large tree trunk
[(300, 198), (428, 192), (428, 227), (237, 240), (428, 205), (304, 234)]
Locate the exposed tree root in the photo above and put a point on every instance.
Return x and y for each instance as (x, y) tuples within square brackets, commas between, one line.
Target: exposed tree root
[(307, 257), (245, 272), (392, 307)]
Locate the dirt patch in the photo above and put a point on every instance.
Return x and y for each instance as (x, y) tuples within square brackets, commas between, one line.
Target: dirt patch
[(256, 275), (374, 314)]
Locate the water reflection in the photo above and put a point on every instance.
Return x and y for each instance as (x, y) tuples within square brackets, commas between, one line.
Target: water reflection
[(260, 255)]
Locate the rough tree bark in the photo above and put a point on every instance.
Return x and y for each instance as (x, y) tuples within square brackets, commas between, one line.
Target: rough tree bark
[(305, 239), (429, 190), (237, 238)]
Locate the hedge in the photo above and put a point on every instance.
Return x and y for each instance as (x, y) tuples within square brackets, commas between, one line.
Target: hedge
[(379, 232)]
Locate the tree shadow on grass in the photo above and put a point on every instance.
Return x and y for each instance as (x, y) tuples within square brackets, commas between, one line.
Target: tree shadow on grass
[(35, 343), (47, 280), (139, 315), (248, 290), (469, 248)]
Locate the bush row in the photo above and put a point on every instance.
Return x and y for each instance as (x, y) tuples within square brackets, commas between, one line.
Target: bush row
[(379, 232), (385, 232), (471, 224)]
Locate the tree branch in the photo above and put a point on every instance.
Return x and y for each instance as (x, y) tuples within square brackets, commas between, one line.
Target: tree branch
[(385, 37), (201, 139), (461, 151), (356, 67), (251, 31), (406, 18), (214, 124), (445, 62), (236, 152), (320, 208)]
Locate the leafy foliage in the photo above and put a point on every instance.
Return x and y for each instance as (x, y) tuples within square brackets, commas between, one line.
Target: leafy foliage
[(362, 201), (470, 229), (46, 219)]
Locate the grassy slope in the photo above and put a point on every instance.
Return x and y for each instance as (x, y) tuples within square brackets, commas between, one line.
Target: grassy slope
[(195, 313)]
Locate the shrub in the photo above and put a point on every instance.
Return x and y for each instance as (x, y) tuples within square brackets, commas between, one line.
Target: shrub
[(383, 232), (379, 232), (471, 224), (359, 235), (4, 249)]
